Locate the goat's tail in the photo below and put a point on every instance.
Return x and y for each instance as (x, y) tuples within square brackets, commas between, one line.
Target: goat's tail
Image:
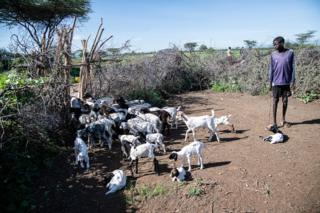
[(212, 112)]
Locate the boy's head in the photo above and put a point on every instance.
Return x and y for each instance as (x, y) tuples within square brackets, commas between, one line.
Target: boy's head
[(278, 43)]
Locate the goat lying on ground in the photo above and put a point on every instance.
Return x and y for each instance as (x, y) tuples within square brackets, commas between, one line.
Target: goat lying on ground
[(81, 152), (143, 150), (194, 148), (179, 174), (204, 121), (128, 141), (276, 138), (224, 120), (115, 180)]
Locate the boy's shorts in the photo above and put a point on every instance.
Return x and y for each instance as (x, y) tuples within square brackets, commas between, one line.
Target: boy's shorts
[(281, 91)]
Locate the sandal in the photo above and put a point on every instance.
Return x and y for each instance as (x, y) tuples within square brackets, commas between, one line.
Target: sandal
[(272, 127)]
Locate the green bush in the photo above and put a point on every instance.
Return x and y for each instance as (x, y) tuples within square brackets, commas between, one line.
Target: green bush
[(225, 87), (308, 96)]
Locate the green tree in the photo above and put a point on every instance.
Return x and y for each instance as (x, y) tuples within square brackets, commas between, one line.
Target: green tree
[(40, 18), (190, 46), (203, 47), (250, 43), (303, 38)]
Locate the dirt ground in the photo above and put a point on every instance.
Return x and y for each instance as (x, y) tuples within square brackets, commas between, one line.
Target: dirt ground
[(241, 174)]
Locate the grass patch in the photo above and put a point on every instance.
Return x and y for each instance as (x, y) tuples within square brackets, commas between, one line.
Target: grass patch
[(225, 87), (308, 96), (138, 194), (195, 191)]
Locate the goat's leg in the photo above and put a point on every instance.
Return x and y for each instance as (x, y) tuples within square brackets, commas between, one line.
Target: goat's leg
[(216, 132), (189, 163), (194, 135), (201, 161), (164, 148), (137, 161), (156, 166), (186, 137), (123, 149)]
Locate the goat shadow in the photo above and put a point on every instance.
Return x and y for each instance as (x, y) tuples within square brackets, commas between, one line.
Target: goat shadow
[(312, 121), (231, 139), (216, 164), (237, 131)]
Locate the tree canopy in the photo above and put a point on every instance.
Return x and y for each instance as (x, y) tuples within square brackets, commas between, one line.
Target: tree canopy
[(41, 17)]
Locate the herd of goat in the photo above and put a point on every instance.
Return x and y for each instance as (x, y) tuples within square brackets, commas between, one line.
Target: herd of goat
[(140, 129)]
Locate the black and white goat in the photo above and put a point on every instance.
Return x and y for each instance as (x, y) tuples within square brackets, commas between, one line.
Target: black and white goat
[(179, 174), (137, 126), (115, 180), (157, 139), (81, 152), (143, 150), (128, 141), (195, 122), (194, 148)]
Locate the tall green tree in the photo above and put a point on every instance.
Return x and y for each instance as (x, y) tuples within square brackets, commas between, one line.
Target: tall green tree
[(40, 18)]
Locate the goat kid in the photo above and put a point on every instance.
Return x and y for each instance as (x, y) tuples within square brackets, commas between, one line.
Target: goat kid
[(115, 180), (195, 122), (194, 148), (143, 150), (81, 152)]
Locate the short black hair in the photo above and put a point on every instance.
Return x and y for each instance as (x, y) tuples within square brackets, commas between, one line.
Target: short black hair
[(279, 39)]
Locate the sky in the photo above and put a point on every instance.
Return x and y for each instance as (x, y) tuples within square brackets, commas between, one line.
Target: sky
[(152, 25)]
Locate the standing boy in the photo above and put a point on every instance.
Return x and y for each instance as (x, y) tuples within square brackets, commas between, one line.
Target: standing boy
[(282, 77)]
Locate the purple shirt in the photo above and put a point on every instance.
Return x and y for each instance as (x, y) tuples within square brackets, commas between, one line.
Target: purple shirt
[(282, 71)]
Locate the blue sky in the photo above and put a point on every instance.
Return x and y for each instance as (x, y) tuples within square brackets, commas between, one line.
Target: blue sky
[(154, 25)]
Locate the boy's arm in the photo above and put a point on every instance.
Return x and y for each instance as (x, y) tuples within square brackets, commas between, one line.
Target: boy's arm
[(270, 73), (293, 79)]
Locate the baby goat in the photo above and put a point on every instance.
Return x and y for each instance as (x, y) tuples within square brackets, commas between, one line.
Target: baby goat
[(179, 174), (194, 148), (143, 150), (157, 139), (81, 152), (204, 121), (128, 141), (116, 180)]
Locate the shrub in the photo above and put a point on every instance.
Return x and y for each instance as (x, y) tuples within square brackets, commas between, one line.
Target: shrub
[(308, 96), (151, 96)]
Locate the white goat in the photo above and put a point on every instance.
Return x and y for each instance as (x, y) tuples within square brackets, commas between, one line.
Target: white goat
[(134, 109), (276, 138), (116, 181), (137, 125), (194, 148), (143, 150), (173, 112), (153, 119), (156, 138), (224, 120), (204, 121), (81, 152), (128, 141)]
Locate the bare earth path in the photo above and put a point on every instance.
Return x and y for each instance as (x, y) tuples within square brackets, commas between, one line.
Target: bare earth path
[(242, 173)]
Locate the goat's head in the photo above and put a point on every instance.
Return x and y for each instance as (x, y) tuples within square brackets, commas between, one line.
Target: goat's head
[(108, 177), (173, 156)]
